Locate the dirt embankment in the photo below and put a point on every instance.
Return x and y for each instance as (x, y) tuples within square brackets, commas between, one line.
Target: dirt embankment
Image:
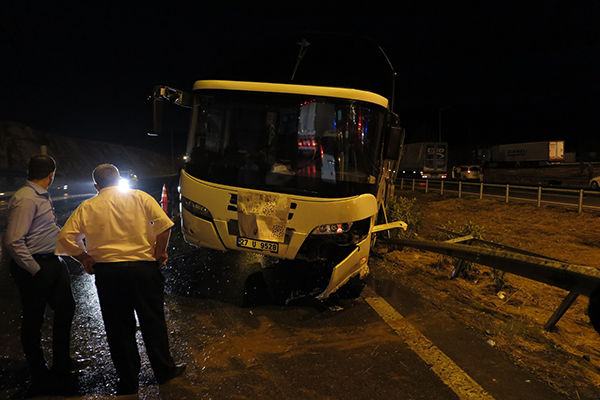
[(76, 158), (507, 310)]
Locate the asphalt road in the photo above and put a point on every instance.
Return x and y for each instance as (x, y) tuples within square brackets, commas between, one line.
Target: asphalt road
[(386, 343)]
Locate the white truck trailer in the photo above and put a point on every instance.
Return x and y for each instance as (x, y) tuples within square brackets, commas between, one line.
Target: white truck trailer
[(424, 160), (530, 154)]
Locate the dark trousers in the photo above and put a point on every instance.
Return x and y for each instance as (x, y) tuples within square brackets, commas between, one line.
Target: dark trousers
[(126, 289), (50, 286), (594, 310)]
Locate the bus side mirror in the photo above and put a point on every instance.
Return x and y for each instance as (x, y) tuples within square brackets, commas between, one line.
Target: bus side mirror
[(155, 116), (394, 137), (160, 95)]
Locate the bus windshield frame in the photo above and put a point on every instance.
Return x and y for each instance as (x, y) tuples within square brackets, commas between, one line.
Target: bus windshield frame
[(290, 143)]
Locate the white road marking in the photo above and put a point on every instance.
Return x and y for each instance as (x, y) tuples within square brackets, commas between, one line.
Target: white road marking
[(451, 374)]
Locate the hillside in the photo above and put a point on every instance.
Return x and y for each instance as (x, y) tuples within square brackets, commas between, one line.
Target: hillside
[(75, 158)]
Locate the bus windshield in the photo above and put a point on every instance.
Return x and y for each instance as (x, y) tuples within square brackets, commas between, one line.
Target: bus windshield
[(286, 143)]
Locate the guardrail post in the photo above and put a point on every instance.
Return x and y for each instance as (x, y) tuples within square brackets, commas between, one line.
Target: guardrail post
[(442, 188), (539, 196), (481, 191), (580, 200), (507, 190), (426, 185), (401, 183), (561, 310), (460, 265), (413, 185), (459, 189)]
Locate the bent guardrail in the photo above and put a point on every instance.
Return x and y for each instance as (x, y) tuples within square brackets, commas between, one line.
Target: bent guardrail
[(577, 279)]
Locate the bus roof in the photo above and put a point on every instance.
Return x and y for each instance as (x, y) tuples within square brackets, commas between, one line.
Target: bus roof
[(351, 94)]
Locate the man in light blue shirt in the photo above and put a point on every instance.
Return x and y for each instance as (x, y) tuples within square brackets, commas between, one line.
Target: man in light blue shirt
[(41, 277)]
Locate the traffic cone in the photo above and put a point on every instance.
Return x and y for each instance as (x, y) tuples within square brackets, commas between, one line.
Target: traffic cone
[(164, 201)]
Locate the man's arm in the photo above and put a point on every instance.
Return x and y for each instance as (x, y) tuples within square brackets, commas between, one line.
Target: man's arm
[(161, 223), (70, 242), (20, 215), (160, 250), (70, 239)]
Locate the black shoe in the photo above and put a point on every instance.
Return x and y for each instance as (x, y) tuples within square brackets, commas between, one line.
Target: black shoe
[(128, 394), (62, 382), (34, 390), (79, 365), (126, 391), (177, 372), (46, 389)]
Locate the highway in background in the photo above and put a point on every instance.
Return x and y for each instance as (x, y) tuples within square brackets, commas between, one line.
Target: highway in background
[(568, 197)]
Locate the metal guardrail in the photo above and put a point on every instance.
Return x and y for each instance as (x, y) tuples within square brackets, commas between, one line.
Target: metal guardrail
[(576, 279), (538, 194)]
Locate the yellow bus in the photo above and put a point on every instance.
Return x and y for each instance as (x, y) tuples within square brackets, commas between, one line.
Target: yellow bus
[(288, 171)]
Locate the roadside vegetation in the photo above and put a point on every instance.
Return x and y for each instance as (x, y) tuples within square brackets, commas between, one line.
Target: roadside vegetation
[(408, 210)]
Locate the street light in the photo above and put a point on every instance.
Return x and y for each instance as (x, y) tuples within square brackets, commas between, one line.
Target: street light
[(440, 122)]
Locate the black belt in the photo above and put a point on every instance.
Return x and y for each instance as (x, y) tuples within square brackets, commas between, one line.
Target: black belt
[(43, 256), (125, 263)]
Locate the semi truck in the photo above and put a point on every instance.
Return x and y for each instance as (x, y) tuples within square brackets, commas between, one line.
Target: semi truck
[(530, 154), (424, 160), (287, 171)]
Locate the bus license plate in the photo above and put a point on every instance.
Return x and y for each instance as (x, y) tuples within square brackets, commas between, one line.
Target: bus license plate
[(258, 245)]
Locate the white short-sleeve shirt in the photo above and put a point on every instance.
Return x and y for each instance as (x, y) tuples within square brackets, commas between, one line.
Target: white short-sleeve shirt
[(117, 226)]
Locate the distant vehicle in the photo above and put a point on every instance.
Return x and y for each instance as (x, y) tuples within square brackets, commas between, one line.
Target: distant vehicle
[(595, 183), (530, 154), (467, 173), (424, 160), (129, 179)]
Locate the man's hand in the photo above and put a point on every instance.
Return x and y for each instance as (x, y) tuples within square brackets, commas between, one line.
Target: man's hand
[(87, 261), (88, 265), (161, 258), (160, 249)]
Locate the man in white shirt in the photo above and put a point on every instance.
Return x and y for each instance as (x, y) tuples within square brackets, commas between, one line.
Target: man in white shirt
[(126, 235)]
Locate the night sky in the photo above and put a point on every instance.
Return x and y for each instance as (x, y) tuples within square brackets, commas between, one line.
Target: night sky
[(500, 71)]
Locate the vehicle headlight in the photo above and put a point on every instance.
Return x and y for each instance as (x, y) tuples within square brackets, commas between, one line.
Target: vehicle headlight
[(332, 229), (123, 184), (196, 209)]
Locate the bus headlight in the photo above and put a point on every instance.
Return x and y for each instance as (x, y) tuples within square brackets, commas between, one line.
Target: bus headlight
[(196, 209), (332, 229)]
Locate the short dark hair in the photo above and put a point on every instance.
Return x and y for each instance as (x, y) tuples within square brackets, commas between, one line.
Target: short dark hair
[(106, 175), (40, 166)]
